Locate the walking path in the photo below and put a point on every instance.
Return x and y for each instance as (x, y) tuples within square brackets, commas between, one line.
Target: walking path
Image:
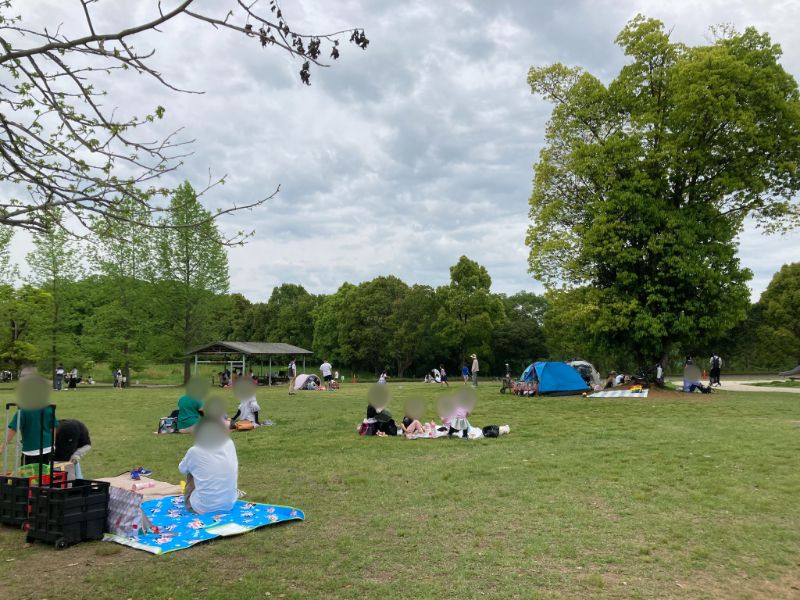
[(746, 386)]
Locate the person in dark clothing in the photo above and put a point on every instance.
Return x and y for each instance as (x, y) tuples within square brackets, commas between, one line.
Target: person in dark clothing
[(385, 422), (715, 371), (72, 443)]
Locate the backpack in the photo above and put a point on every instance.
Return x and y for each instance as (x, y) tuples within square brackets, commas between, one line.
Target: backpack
[(491, 431)]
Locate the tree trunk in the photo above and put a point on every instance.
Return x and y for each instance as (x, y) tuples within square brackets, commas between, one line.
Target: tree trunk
[(187, 370)]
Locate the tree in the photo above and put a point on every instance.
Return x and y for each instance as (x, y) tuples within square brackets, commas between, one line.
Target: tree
[(781, 306), (55, 266), (64, 146), (365, 329), (287, 316), (468, 313), (520, 338), (327, 343), (411, 323), (8, 270), (192, 266), (123, 252), (643, 185)]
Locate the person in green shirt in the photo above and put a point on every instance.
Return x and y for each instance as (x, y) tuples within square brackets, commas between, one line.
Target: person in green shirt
[(189, 413), (36, 431)]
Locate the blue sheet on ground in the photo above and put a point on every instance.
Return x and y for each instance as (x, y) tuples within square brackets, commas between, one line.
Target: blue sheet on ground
[(176, 528)]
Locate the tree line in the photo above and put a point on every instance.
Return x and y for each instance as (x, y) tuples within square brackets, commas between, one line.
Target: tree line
[(134, 295)]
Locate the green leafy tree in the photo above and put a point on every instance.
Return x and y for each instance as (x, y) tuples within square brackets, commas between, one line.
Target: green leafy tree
[(365, 327), (411, 323), (123, 253), (327, 343), (287, 316), (56, 264), (468, 314), (643, 184), (520, 338), (781, 311), (192, 267)]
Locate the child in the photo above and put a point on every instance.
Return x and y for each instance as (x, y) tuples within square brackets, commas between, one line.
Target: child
[(382, 378), (459, 425), (411, 426)]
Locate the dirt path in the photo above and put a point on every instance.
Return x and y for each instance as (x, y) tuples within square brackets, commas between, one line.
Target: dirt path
[(746, 386)]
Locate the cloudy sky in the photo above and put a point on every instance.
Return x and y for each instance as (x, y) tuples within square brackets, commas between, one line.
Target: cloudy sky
[(399, 159)]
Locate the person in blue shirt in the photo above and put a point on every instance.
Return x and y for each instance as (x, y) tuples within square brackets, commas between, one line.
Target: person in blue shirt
[(465, 373)]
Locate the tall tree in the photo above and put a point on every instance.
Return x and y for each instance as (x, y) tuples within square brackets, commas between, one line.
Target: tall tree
[(781, 306), (56, 263), (63, 142), (411, 325), (192, 267), (520, 338), (468, 313), (123, 252), (643, 185)]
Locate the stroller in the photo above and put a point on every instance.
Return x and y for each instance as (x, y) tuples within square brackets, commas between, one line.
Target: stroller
[(528, 384)]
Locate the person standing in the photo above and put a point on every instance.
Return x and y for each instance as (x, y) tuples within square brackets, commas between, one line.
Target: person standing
[(716, 369), (327, 373), (73, 378), (465, 373), (475, 369), (291, 372), (443, 374), (59, 382)]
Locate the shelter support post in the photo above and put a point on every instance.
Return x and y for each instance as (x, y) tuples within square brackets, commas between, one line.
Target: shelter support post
[(270, 370), (195, 364)]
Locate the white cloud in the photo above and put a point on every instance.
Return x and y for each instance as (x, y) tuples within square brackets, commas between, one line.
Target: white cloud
[(399, 159)]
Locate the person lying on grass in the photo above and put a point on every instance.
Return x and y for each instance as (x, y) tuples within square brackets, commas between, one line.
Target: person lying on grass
[(211, 468)]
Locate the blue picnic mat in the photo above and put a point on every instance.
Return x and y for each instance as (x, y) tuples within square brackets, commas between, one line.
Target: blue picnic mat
[(175, 528)]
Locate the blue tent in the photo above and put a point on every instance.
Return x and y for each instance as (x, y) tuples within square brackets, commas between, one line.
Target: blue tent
[(559, 379)]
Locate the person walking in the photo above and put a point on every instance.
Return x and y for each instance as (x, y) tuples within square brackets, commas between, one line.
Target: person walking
[(465, 373), (59, 382), (443, 375), (716, 369), (291, 372), (475, 369), (327, 373)]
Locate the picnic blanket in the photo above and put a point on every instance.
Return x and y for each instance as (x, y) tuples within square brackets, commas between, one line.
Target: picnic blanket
[(620, 394), (174, 528)]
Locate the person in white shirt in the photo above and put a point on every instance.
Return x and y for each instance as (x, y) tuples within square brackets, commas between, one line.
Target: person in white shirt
[(619, 379), (212, 470), (476, 367), (291, 373), (437, 376), (59, 377), (327, 372), (248, 411)]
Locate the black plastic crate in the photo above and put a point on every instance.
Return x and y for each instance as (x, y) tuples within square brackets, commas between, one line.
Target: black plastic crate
[(14, 500), (66, 516)]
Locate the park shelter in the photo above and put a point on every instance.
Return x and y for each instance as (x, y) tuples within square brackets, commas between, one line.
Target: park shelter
[(559, 379), (241, 354)]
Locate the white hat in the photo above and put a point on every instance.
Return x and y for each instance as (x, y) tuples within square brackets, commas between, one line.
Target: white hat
[(473, 356)]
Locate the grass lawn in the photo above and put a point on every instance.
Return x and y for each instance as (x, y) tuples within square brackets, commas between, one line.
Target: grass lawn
[(671, 496)]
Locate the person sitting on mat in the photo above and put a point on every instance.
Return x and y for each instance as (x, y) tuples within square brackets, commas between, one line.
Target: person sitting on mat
[(248, 411), (211, 468), (72, 443), (189, 412)]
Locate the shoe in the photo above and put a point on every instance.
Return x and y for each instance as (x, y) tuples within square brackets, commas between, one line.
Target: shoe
[(143, 471)]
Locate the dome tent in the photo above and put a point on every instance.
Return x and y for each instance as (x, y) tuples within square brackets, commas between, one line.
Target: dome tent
[(559, 379), (302, 381)]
